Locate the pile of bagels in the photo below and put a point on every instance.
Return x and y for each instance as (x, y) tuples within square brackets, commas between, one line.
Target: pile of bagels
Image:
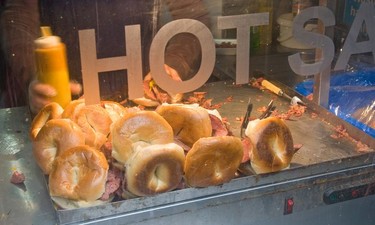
[(94, 154)]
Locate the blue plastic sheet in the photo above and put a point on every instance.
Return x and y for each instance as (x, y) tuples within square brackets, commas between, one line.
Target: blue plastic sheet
[(351, 96)]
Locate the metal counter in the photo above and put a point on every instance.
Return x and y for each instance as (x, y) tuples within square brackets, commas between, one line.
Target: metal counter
[(322, 167), (28, 203)]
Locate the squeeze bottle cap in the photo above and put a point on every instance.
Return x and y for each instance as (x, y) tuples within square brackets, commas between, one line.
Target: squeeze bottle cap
[(47, 41)]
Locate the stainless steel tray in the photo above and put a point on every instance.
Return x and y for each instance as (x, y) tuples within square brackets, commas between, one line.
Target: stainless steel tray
[(320, 155)]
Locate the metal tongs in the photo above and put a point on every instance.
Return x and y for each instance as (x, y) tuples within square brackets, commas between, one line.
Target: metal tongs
[(270, 108), (245, 120)]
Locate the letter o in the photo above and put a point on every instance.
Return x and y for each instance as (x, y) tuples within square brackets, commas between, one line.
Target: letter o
[(157, 55)]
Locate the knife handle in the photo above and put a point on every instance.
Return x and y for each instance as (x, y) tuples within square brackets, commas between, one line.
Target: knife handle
[(272, 87)]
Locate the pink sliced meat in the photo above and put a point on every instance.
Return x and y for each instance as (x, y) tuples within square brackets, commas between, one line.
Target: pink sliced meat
[(17, 178), (218, 127), (113, 183), (247, 149)]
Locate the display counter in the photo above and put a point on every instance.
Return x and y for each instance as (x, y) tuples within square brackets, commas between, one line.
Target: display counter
[(331, 178), (329, 181)]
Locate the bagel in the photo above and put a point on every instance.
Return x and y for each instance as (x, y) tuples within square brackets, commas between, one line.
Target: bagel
[(140, 128), (55, 137), (213, 161), (78, 174), (72, 108), (189, 122), (143, 101), (154, 169), (50, 111), (64, 203), (272, 144), (94, 121)]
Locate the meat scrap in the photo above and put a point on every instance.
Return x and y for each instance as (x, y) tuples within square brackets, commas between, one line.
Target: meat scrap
[(342, 133), (17, 177), (206, 103), (257, 83), (294, 110), (113, 183), (362, 147), (181, 144), (106, 149), (247, 149), (262, 109), (200, 99), (229, 99), (216, 106), (218, 127), (297, 147), (314, 115)]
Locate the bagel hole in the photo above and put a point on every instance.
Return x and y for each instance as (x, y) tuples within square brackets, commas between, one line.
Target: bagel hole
[(52, 151), (218, 174), (158, 178), (279, 153), (139, 145)]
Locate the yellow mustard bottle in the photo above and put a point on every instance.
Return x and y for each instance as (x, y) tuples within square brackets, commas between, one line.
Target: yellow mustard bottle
[(52, 68)]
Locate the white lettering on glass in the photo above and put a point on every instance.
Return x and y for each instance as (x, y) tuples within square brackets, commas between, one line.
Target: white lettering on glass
[(365, 14), (91, 65), (242, 23), (312, 39), (157, 52), (132, 62)]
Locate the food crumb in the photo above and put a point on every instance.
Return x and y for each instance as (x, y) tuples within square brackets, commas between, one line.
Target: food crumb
[(314, 115), (17, 177)]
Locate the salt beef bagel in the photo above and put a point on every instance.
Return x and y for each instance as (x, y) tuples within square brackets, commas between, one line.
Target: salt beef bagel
[(154, 169), (190, 122), (55, 137), (272, 145), (72, 108), (94, 121), (138, 129), (78, 177), (213, 161), (50, 111)]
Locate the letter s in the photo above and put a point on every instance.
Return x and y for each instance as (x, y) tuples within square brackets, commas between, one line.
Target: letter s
[(312, 39)]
